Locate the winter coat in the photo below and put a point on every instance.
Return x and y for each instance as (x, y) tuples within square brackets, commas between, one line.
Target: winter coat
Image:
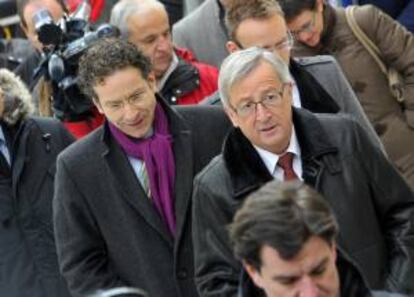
[(108, 233), (28, 261), (373, 205), (190, 82), (393, 122)]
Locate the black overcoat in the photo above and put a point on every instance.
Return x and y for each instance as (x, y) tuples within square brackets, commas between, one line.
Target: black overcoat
[(107, 232)]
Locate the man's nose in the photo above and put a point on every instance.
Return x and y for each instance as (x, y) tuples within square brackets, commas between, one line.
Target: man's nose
[(129, 110), (308, 288), (262, 112), (163, 42), (303, 37)]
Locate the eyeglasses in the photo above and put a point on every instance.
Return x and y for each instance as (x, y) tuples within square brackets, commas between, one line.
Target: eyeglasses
[(285, 44), (307, 27), (136, 99), (270, 99)]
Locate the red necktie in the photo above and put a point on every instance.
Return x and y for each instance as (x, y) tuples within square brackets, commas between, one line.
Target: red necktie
[(285, 162)]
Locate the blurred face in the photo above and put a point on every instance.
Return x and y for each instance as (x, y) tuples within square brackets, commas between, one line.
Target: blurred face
[(312, 273), (31, 9), (307, 26), (270, 33), (128, 101), (260, 105), (149, 30)]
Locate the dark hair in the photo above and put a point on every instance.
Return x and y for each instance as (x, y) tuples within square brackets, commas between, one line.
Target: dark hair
[(293, 8), (21, 5), (283, 216), (240, 10), (106, 57)]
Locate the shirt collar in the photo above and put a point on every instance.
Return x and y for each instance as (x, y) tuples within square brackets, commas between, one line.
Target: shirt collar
[(270, 159), (173, 66), (2, 136)]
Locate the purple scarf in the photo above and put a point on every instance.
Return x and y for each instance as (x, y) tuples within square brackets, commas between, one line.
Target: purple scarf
[(156, 152)]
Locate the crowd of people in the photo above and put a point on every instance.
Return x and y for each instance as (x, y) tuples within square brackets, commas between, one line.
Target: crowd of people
[(229, 148)]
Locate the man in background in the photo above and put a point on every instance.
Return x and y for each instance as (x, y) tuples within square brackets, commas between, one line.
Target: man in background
[(179, 78)]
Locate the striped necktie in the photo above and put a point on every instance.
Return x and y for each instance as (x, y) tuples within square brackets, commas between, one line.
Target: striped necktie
[(145, 183)]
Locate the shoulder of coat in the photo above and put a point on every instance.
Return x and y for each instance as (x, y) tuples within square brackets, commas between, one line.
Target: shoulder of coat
[(321, 59)]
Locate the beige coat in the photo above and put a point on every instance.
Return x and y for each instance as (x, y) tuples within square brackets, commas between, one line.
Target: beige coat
[(393, 123)]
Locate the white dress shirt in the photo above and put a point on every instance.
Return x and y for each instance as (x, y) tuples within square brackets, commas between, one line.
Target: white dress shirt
[(270, 159)]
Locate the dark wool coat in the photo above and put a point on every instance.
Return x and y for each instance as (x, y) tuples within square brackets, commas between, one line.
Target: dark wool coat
[(108, 233), (373, 204), (28, 261)]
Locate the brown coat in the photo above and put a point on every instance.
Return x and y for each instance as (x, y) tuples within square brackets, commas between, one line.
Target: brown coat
[(393, 123)]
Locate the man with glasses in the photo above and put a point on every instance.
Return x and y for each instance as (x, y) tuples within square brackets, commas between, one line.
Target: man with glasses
[(319, 84), (123, 194), (272, 140)]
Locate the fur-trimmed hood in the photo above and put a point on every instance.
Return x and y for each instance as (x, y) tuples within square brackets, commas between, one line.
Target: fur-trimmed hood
[(17, 99)]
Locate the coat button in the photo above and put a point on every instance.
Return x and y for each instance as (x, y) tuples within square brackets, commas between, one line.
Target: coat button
[(182, 274)]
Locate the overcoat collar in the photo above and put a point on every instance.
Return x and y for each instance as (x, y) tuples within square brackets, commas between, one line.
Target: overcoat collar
[(247, 170), (118, 164), (313, 95)]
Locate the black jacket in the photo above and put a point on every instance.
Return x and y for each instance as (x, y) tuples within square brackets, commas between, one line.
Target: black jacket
[(108, 233), (28, 261), (373, 205)]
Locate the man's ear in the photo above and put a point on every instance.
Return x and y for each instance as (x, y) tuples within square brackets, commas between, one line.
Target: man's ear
[(232, 115), (98, 105), (253, 273), (232, 47), (152, 81), (334, 251)]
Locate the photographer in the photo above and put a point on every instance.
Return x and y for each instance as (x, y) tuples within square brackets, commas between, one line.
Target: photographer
[(48, 98)]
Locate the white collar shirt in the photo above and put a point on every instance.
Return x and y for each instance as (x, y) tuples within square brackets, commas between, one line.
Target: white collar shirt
[(270, 159)]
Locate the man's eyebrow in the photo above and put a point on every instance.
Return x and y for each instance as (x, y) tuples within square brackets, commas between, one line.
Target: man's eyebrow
[(286, 277), (135, 92), (281, 41), (321, 264)]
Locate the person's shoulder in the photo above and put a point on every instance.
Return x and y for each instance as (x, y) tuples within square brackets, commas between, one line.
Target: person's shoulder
[(196, 113), (47, 125), (365, 16), (319, 60), (336, 121), (213, 172), (194, 17), (83, 149)]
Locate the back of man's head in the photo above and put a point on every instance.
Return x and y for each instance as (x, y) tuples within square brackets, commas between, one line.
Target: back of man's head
[(106, 57), (283, 216), (241, 10)]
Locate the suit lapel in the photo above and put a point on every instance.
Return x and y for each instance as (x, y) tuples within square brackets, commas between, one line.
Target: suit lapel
[(183, 156), (127, 183)]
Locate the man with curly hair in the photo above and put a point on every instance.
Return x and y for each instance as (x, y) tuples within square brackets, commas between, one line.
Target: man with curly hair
[(123, 194)]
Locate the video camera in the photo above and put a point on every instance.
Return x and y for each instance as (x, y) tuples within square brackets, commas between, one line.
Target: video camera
[(63, 44)]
